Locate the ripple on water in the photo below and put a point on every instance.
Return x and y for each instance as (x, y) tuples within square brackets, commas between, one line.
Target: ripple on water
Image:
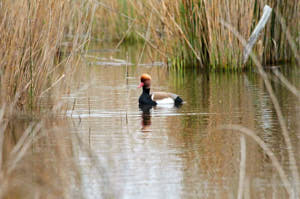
[(177, 152)]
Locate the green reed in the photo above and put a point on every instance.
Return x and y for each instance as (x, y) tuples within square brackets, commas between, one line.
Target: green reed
[(190, 30)]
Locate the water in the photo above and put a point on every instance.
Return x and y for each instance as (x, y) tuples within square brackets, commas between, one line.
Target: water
[(179, 152)]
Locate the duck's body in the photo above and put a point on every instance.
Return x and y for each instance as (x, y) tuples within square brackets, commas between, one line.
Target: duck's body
[(156, 98), (146, 98), (165, 102)]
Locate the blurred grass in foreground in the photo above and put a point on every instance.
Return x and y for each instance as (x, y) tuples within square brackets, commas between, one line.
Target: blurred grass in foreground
[(40, 43)]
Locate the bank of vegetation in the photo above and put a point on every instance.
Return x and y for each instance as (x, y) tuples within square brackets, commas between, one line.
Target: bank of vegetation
[(189, 33), (39, 46)]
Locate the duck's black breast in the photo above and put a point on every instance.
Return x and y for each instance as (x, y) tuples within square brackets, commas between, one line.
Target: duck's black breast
[(145, 98)]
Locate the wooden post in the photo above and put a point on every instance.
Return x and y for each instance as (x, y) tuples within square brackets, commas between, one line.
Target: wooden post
[(256, 32)]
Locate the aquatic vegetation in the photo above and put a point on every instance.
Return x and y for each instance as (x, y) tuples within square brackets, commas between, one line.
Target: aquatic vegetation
[(39, 46), (190, 31), (40, 43)]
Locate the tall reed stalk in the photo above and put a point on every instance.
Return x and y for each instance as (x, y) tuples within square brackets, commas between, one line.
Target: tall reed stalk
[(40, 46), (40, 42), (292, 186), (190, 34)]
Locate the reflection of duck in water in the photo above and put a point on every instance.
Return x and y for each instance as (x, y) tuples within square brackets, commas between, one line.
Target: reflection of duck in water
[(146, 117), (156, 98)]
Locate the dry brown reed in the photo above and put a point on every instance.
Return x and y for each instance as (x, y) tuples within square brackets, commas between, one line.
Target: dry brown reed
[(40, 46), (190, 34), (39, 43)]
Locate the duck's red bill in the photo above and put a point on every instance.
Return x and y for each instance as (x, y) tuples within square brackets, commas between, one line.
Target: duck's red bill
[(141, 85)]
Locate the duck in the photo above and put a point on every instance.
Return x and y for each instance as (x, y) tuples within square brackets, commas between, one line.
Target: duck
[(155, 98)]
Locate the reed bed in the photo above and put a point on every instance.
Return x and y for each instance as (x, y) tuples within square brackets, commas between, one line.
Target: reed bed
[(40, 41), (40, 46), (189, 32)]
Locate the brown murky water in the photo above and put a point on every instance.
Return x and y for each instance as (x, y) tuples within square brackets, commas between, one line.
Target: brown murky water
[(177, 152)]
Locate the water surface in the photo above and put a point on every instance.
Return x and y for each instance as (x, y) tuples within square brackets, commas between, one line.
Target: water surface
[(178, 152)]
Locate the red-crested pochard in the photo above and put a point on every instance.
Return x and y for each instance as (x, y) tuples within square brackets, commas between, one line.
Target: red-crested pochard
[(155, 98)]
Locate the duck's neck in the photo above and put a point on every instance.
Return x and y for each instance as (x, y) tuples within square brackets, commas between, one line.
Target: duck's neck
[(146, 90)]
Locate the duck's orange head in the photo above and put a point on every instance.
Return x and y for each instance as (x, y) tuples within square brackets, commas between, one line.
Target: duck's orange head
[(145, 80)]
